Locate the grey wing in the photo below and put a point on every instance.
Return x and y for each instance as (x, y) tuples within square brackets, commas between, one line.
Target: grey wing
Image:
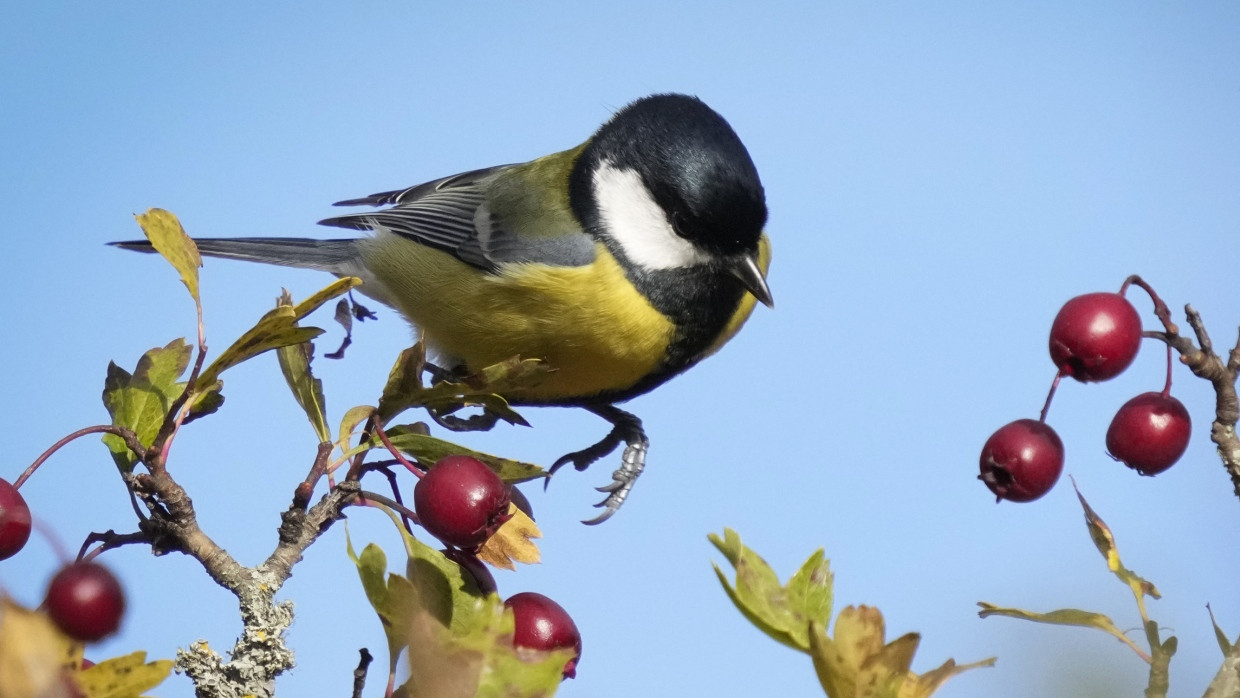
[(451, 215)]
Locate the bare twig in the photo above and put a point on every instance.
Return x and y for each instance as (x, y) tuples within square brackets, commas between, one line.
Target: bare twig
[(359, 674), (1201, 359)]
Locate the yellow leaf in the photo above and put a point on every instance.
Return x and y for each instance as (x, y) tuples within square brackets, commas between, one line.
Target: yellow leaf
[(170, 240), (512, 542), (337, 288), (123, 677), (33, 653), (278, 328), (1104, 540)]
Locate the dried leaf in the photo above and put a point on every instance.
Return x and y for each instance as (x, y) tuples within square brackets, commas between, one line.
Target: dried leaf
[(513, 542)]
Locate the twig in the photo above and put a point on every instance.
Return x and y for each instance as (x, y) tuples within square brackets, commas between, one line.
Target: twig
[(127, 435), (359, 674)]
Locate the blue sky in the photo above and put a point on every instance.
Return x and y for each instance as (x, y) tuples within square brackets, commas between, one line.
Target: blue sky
[(940, 178)]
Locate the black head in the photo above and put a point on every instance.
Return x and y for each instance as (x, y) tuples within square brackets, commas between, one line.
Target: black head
[(692, 164)]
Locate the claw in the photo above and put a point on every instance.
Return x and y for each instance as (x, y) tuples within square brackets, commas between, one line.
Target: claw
[(632, 463), (626, 429)]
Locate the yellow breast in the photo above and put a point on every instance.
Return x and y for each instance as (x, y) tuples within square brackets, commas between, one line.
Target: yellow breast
[(595, 330)]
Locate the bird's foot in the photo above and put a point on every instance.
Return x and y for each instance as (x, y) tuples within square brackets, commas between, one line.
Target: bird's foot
[(626, 429)]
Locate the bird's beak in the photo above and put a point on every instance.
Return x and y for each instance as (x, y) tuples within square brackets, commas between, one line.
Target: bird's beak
[(746, 269)]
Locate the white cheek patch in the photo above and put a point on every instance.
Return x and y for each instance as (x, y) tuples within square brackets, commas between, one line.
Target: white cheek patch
[(634, 219)]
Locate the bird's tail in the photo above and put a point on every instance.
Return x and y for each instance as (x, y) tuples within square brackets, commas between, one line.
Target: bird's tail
[(336, 256)]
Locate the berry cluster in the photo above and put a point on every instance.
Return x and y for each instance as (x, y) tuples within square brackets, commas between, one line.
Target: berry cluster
[(84, 599), (1094, 337), (463, 503)]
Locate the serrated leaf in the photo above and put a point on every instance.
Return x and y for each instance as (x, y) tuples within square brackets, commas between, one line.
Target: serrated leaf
[(810, 591), (307, 390), (857, 662), (479, 660), (1064, 616), (443, 590), (170, 240), (123, 677), (349, 423), (758, 594), (278, 328), (32, 652), (428, 450), (139, 401), (404, 382), (513, 542), (404, 389), (391, 595), (1104, 540)]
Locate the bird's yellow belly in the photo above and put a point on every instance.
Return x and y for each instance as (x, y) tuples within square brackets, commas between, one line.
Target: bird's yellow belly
[(594, 329)]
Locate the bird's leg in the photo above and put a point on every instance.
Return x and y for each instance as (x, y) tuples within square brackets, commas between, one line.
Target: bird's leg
[(626, 429), (478, 422)]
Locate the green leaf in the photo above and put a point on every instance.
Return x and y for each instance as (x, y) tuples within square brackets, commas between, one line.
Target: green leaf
[(206, 401), (278, 328), (404, 389), (170, 240), (307, 390), (1064, 616), (760, 597), (810, 590), (428, 450), (391, 595), (404, 382), (1104, 540), (139, 401), (123, 677)]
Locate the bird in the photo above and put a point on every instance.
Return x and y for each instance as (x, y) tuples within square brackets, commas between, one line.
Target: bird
[(621, 262)]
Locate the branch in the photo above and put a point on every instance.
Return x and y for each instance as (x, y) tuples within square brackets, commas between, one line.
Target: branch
[(1206, 364)]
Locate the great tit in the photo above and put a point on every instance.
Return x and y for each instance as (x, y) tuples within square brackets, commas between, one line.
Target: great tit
[(620, 262)]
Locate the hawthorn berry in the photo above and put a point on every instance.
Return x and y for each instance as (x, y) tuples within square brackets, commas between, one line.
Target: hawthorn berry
[(1022, 460), (542, 624), (14, 520), (85, 601), (1095, 336), (473, 567), (461, 502), (1149, 432)]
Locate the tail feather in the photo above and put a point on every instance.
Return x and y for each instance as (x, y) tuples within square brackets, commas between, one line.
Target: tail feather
[(335, 256)]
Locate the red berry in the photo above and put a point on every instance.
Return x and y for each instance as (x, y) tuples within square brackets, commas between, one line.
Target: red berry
[(473, 568), (14, 521), (542, 624), (1022, 460), (1149, 433), (1095, 336), (85, 601), (461, 502)]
